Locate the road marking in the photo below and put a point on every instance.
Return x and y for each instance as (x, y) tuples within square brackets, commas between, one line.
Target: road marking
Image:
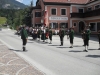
[(21, 70), (36, 65)]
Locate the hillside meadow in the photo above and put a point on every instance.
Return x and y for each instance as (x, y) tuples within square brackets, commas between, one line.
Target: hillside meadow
[(2, 20)]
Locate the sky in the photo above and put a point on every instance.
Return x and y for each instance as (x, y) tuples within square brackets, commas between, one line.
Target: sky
[(27, 2)]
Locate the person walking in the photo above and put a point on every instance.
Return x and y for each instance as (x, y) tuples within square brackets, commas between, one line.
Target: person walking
[(47, 34), (43, 37), (86, 38), (99, 39), (71, 36), (61, 34), (39, 33), (50, 35), (24, 37), (83, 36)]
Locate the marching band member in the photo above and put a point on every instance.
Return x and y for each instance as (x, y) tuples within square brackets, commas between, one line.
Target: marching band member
[(43, 37), (61, 34), (71, 36), (47, 34), (38, 33), (86, 38), (50, 35)]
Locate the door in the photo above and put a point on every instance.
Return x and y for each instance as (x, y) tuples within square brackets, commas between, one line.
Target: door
[(81, 26)]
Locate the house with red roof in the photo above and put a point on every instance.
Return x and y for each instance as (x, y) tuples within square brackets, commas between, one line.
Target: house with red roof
[(67, 13)]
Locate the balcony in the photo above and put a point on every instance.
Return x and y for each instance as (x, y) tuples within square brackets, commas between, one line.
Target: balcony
[(86, 14), (77, 15)]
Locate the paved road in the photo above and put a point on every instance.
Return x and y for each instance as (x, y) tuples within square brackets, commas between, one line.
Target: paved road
[(53, 59), (12, 64)]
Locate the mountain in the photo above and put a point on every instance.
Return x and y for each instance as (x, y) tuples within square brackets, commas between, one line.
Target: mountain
[(11, 4)]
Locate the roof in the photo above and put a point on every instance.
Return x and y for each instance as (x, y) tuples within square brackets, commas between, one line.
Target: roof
[(69, 1)]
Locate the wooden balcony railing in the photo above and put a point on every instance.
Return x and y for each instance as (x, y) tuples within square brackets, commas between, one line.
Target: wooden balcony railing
[(86, 14)]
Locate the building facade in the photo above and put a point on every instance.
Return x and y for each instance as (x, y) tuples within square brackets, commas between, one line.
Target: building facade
[(67, 13)]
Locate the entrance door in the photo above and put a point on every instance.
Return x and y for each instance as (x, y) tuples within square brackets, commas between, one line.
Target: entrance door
[(81, 26)]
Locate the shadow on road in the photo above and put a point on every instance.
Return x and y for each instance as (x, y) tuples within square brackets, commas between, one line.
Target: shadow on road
[(30, 42), (93, 56), (75, 51), (40, 42), (62, 47), (78, 46), (18, 50), (53, 45), (92, 49)]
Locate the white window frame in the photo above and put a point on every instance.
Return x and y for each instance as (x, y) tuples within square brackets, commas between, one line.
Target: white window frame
[(95, 26), (56, 11), (96, 5), (80, 8), (65, 13)]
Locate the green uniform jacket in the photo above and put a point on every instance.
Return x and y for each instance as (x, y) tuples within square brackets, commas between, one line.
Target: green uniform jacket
[(50, 32), (39, 32), (87, 34), (71, 34), (24, 34), (62, 33)]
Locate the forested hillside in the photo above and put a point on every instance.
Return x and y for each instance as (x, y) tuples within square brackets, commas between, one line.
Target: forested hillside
[(11, 4)]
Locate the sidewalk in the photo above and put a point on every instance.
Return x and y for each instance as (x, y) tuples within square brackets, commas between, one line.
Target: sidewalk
[(12, 64)]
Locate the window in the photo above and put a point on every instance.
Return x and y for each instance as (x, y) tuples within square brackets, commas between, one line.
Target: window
[(54, 25), (37, 14), (90, 8), (80, 10), (63, 11), (65, 25), (97, 6), (93, 26), (98, 26), (53, 11), (74, 24)]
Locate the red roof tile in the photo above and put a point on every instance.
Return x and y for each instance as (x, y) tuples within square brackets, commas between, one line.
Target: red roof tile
[(69, 1)]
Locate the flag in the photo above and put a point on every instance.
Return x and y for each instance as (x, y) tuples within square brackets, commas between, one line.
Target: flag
[(46, 18)]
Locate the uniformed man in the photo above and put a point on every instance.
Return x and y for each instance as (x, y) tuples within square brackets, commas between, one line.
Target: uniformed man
[(61, 34), (43, 37), (83, 36), (24, 37), (99, 39), (86, 38), (33, 33), (71, 36), (50, 35), (39, 34), (67, 33), (47, 34)]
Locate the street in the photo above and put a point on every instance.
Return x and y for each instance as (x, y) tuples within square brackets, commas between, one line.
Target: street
[(53, 59)]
